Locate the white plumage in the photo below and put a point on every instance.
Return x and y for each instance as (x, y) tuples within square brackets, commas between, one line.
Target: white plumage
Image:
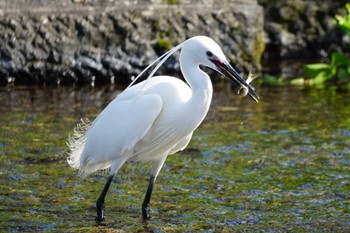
[(153, 118)]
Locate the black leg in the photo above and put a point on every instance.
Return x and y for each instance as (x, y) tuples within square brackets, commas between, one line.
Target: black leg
[(100, 203), (146, 201)]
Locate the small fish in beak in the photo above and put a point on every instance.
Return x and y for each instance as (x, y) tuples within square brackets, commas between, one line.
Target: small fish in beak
[(243, 90)]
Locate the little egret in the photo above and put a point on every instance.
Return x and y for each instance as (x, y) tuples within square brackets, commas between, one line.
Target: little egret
[(152, 119)]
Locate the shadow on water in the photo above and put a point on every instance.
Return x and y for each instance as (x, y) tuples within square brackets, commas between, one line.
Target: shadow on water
[(280, 165)]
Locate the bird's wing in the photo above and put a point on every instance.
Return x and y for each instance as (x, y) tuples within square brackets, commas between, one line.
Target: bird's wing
[(120, 126)]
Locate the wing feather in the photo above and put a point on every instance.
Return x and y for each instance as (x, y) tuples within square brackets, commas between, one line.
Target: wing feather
[(119, 127)]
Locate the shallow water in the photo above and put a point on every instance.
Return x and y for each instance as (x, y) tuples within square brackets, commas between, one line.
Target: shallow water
[(281, 165)]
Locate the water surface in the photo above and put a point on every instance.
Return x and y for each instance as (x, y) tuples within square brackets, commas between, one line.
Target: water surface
[(281, 165)]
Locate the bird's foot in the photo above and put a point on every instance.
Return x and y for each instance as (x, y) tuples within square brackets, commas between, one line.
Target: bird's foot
[(146, 213), (100, 214)]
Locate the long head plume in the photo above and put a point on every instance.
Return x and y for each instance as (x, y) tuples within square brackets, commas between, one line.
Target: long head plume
[(160, 61)]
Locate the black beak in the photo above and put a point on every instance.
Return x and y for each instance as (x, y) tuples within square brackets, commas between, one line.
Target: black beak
[(228, 71)]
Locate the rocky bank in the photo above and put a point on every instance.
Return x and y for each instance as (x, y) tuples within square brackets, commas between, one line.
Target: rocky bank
[(84, 41), (77, 41)]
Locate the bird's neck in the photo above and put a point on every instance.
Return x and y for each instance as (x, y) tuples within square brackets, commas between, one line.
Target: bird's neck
[(201, 86)]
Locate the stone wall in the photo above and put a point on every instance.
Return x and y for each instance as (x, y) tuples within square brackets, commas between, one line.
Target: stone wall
[(303, 29), (77, 41)]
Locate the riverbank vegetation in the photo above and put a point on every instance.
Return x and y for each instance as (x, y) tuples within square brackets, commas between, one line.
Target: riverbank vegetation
[(337, 71)]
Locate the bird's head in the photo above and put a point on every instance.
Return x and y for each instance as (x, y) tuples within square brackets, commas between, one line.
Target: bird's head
[(207, 52)]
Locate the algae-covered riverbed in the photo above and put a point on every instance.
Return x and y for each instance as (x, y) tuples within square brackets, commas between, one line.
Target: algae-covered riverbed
[(282, 165)]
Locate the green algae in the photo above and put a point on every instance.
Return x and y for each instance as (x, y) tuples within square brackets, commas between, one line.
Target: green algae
[(278, 166)]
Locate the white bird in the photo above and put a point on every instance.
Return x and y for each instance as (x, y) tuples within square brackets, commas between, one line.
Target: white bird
[(152, 119)]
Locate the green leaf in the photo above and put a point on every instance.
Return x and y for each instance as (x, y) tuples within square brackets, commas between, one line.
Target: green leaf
[(318, 66), (344, 21), (298, 82), (312, 70), (320, 78), (339, 59), (343, 75)]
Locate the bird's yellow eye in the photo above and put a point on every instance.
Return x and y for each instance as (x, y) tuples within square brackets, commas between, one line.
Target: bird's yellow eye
[(209, 54)]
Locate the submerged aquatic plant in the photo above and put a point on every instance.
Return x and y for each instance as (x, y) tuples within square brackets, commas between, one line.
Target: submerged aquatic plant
[(338, 71)]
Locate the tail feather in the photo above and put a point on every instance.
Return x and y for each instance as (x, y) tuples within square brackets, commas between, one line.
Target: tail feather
[(76, 143)]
